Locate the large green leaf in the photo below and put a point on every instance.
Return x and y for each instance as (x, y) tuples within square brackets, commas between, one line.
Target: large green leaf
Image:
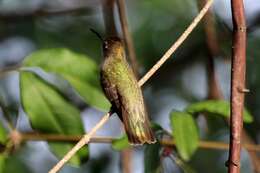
[(49, 112), (217, 107), (185, 133), (3, 134), (152, 163), (120, 143), (79, 70)]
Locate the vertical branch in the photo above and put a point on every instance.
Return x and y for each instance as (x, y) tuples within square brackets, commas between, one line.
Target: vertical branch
[(214, 91), (126, 161), (127, 37), (213, 51), (237, 84), (109, 18)]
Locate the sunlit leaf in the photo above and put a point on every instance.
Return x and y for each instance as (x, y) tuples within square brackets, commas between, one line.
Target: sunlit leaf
[(217, 107), (152, 163), (185, 133), (79, 70), (49, 112), (120, 143)]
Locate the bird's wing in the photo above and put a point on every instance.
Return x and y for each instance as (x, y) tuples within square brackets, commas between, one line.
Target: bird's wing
[(110, 91)]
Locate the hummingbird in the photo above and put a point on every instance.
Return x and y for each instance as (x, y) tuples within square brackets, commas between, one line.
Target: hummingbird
[(121, 88)]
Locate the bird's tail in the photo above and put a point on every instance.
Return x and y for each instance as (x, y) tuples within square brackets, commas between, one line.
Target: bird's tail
[(138, 132)]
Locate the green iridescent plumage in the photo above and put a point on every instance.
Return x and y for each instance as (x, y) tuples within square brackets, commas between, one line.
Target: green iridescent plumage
[(122, 90)]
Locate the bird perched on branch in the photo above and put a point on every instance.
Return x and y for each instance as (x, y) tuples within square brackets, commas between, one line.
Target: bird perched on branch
[(121, 88)]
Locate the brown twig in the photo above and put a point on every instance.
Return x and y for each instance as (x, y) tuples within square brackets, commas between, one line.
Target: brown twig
[(98, 139), (166, 56), (237, 84), (109, 17), (40, 13), (127, 36), (9, 69), (126, 160), (214, 91), (84, 140)]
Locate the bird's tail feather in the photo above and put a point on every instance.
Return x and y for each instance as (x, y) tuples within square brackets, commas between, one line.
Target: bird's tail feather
[(139, 132)]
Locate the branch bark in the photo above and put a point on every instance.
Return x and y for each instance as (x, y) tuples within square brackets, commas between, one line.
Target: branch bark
[(127, 36), (98, 139), (237, 84), (211, 39), (41, 13), (109, 17), (214, 91)]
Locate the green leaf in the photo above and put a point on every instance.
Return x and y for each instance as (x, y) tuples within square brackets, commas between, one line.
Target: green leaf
[(217, 107), (121, 143), (185, 133), (79, 70), (50, 113), (3, 134), (152, 163), (13, 163)]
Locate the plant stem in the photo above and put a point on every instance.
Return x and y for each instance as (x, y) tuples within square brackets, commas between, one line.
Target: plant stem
[(105, 139), (237, 84), (109, 17), (127, 36), (83, 141), (214, 91)]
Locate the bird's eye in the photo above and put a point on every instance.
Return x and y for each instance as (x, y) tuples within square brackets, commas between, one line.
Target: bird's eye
[(106, 45)]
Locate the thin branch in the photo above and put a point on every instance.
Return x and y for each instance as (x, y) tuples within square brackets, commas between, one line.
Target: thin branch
[(109, 17), (180, 40), (9, 69), (166, 56), (211, 39), (126, 160), (42, 13), (214, 91), (237, 84), (127, 36), (98, 139), (84, 140)]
